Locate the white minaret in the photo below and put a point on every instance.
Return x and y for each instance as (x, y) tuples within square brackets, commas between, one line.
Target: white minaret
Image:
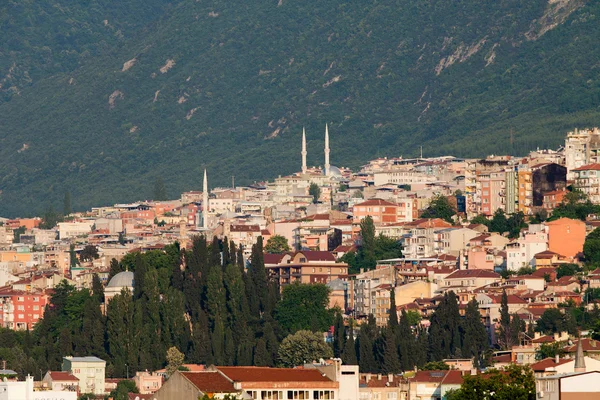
[(326, 151), (303, 151), (205, 202)]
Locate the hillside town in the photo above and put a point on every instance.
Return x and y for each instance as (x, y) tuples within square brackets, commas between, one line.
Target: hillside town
[(394, 240)]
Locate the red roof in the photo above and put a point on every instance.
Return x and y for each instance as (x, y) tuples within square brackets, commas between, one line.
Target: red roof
[(472, 273), (376, 202), (210, 382), (62, 376), (586, 344), (451, 377), (266, 374), (589, 167), (272, 258), (380, 381), (317, 255), (546, 363)]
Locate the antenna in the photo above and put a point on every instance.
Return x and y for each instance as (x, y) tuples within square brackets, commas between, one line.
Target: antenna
[(421, 151), (233, 181)]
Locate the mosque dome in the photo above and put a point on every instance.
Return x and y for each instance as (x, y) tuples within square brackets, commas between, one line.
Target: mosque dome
[(334, 172), (121, 280)]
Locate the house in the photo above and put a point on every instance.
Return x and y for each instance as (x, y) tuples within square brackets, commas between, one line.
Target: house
[(468, 279), (383, 387), (89, 370), (20, 390), (557, 365), (566, 236), (573, 386), (194, 385), (148, 382), (63, 381), (263, 383), (433, 385), (307, 267)]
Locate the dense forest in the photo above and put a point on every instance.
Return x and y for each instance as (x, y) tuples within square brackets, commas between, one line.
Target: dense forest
[(100, 98)]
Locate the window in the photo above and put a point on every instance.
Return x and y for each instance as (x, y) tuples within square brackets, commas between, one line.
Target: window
[(21, 308), (392, 395), (35, 308)]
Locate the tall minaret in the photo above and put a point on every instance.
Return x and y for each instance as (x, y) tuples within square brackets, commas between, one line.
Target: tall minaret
[(205, 202), (303, 151), (326, 150)]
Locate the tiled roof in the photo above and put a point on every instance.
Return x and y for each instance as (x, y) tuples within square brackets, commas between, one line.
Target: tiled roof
[(62, 376), (379, 381), (541, 366), (266, 374), (273, 258), (210, 382), (472, 273), (589, 167), (451, 377), (376, 202), (317, 255), (587, 345)]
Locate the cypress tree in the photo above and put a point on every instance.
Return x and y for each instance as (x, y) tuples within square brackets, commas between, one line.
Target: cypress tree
[(115, 268), (232, 253), (393, 315), (475, 339), (177, 276), (97, 288), (366, 360), (245, 347), (271, 343), (262, 357), (139, 274), (391, 363), (218, 341), (406, 343), (349, 352), (226, 255), (504, 334), (229, 350), (215, 296), (339, 336), (215, 253)]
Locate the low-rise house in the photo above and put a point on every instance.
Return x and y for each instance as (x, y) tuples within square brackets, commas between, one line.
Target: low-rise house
[(62, 381), (148, 382), (468, 280), (433, 385), (20, 390), (383, 387), (574, 386), (194, 385)]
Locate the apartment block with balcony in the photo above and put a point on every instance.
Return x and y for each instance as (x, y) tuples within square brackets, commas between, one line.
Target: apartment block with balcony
[(91, 372)]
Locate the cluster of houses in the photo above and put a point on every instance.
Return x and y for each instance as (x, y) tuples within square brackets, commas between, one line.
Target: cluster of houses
[(322, 225)]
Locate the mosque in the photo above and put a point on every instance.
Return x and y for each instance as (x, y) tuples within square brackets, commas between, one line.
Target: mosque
[(122, 280)]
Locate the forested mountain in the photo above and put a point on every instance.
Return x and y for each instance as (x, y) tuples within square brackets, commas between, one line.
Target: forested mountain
[(229, 85)]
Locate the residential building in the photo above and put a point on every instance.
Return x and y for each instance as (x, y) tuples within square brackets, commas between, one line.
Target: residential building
[(89, 370), (536, 180), (553, 199), (308, 267), (382, 212), (573, 386), (20, 309), (148, 382), (194, 385), (383, 387), (566, 236), (60, 381), (467, 280), (581, 148), (587, 179), (433, 385), (24, 390)]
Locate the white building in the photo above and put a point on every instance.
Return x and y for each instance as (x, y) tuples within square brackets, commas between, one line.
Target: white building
[(68, 230), (15, 390), (89, 370), (581, 148)]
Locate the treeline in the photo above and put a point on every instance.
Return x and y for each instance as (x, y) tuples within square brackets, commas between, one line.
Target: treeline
[(400, 346), (204, 301)]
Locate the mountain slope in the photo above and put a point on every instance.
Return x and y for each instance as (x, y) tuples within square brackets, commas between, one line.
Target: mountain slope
[(229, 85)]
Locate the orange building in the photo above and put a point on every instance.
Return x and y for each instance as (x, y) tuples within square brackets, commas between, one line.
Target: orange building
[(306, 267), (566, 236), (382, 212), (553, 199), (28, 223)]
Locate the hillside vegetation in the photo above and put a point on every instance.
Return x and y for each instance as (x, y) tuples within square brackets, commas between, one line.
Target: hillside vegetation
[(229, 86)]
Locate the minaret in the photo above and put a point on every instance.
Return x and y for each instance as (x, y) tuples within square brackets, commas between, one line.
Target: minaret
[(303, 151), (326, 151), (205, 202), (579, 358)]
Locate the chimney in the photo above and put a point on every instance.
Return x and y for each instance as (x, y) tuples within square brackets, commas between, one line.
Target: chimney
[(367, 378), (556, 358), (378, 377), (556, 336), (390, 378), (4, 364)]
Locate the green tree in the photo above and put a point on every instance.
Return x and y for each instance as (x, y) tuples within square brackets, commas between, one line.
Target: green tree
[(391, 362), (549, 350), (303, 306), (551, 321), (303, 346), (50, 219), (89, 253), (339, 335), (366, 360), (435, 366), (504, 334), (481, 219), (439, 207), (349, 352), (277, 244), (566, 270), (475, 338), (73, 262), (17, 234), (515, 382), (315, 191), (174, 360), (124, 387)]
